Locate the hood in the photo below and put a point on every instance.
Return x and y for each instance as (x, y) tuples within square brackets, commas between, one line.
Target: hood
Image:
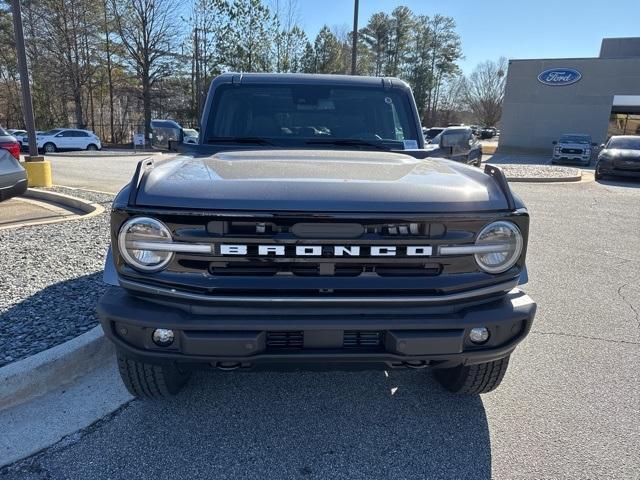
[(581, 146), (319, 181), (621, 153)]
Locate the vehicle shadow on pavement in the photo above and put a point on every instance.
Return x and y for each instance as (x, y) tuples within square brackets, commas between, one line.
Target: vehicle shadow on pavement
[(296, 425), (48, 317), (620, 182)]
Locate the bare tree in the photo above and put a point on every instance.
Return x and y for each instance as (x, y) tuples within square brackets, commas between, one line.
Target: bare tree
[(69, 30), (148, 31), (289, 39), (484, 91), (451, 100), (107, 26)]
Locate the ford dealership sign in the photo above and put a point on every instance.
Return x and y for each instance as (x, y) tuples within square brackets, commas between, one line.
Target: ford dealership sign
[(560, 76)]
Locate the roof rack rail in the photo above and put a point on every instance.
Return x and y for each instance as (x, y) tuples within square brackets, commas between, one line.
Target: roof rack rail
[(498, 175), (143, 167)]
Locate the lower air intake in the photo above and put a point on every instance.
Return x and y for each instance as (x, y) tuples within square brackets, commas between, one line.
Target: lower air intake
[(285, 340), (359, 339)]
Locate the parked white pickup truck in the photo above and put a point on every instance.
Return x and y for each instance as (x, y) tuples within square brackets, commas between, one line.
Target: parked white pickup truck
[(573, 148)]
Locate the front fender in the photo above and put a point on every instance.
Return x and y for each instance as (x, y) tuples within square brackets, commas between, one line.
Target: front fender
[(110, 275)]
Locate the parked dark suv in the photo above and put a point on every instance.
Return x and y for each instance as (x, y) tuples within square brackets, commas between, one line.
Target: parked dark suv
[(308, 226), (457, 143)]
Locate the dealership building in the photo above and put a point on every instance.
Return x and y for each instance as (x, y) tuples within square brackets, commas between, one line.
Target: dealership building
[(600, 96)]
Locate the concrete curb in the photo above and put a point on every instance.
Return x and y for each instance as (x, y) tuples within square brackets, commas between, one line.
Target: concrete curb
[(101, 155), (61, 198), (43, 372), (574, 178), (89, 209)]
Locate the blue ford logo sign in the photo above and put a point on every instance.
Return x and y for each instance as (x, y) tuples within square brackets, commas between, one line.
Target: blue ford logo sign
[(559, 76)]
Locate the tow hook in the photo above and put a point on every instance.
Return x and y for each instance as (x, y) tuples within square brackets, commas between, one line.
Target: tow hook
[(227, 366), (417, 364)]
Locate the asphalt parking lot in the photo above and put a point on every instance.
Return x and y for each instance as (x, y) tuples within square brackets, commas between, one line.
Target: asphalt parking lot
[(569, 406), (106, 173)]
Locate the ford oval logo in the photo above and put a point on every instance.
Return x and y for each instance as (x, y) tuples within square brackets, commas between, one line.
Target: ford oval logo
[(559, 76)]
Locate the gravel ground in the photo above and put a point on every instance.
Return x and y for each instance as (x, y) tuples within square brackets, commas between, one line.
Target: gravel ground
[(515, 171), (51, 277)]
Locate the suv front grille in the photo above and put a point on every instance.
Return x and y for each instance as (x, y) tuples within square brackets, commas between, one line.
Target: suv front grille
[(313, 269)]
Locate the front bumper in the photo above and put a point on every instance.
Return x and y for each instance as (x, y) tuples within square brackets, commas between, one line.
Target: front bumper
[(13, 185), (572, 158), (212, 336), (608, 168)]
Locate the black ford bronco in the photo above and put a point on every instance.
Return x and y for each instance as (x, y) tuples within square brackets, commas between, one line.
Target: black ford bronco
[(309, 226)]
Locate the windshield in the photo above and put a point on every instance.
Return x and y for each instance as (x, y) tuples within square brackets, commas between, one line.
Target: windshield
[(287, 115), (432, 132), (625, 143), (575, 139), (52, 132)]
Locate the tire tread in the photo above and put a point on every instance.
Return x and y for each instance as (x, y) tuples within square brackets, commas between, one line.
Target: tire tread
[(473, 379), (148, 380)]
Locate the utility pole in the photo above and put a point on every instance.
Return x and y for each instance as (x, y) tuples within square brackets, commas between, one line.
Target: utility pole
[(38, 169), (354, 46), (27, 106)]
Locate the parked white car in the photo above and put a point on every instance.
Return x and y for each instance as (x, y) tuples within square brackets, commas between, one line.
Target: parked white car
[(65, 139)]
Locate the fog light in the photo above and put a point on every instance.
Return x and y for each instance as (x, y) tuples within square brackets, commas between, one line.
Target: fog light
[(479, 335), (163, 337)]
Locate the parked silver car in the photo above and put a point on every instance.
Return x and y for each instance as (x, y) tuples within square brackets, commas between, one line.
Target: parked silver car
[(13, 178)]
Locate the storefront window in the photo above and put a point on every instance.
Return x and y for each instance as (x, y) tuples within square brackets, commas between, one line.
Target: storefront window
[(617, 123), (624, 124), (633, 125)]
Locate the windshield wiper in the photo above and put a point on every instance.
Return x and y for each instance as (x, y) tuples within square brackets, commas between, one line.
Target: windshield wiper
[(348, 142), (241, 140)]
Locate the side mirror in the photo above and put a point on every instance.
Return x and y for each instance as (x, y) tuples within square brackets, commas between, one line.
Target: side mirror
[(602, 145), (555, 142), (166, 138)]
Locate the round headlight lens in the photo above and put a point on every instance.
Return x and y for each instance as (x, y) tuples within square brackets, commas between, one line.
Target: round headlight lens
[(503, 242), (134, 241)]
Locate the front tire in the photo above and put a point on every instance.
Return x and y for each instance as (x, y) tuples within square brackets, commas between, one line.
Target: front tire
[(92, 147), (598, 175), (473, 379), (49, 147), (147, 380)]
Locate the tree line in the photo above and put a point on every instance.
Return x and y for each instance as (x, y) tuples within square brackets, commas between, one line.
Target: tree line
[(113, 65)]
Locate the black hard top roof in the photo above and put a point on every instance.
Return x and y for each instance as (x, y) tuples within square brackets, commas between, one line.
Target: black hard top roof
[(311, 79)]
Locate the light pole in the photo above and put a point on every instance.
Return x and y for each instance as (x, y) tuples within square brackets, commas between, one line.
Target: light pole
[(38, 170), (354, 46), (27, 106)]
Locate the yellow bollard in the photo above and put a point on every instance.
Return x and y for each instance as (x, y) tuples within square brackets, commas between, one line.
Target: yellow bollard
[(38, 172)]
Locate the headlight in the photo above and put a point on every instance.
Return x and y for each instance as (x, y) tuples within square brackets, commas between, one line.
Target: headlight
[(502, 242), (135, 239)]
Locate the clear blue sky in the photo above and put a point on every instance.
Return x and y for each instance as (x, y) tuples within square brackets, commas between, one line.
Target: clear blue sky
[(493, 28)]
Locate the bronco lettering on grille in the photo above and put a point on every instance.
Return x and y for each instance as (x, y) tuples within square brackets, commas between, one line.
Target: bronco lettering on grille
[(326, 250)]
